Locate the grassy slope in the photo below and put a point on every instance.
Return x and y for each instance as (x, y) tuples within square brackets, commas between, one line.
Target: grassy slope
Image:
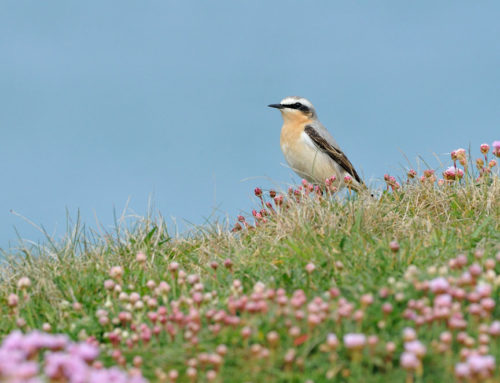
[(347, 241)]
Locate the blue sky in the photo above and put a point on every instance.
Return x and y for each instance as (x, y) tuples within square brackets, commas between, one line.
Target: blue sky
[(102, 102)]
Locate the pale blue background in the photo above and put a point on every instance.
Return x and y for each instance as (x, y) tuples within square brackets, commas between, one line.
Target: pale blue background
[(106, 100)]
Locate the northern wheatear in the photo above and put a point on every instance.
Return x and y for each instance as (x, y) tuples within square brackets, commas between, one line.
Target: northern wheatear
[(310, 149)]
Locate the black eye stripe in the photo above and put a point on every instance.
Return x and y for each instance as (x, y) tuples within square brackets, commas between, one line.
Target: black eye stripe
[(298, 106)]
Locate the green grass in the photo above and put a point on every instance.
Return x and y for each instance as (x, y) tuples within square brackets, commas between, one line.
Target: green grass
[(346, 239)]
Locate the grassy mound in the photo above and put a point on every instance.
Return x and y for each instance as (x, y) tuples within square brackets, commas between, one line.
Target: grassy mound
[(315, 288)]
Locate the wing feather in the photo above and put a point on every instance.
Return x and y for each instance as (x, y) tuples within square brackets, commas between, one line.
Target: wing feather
[(335, 154)]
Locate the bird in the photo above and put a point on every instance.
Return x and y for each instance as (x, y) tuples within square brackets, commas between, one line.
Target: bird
[(310, 149)]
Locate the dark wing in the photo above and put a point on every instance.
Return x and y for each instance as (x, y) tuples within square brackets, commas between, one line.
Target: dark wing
[(335, 154)]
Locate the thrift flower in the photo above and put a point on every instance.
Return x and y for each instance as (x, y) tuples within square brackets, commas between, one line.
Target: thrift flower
[(310, 267), (24, 283), (354, 341), (484, 148), (453, 173), (496, 148), (409, 361)]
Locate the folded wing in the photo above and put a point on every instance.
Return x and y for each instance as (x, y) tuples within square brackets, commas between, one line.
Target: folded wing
[(335, 154)]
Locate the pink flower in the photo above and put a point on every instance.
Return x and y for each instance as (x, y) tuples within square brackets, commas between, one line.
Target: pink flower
[(409, 361), (387, 308), (446, 337), (109, 284), (85, 351), (443, 300), (416, 347), (348, 179), (12, 300), (23, 283), (484, 148), (366, 299), (494, 329), (496, 148), (409, 334), (116, 272), (484, 289), (373, 340), (390, 347), (173, 266), (411, 173), (475, 270), (458, 154), (481, 363), (141, 257), (394, 246), (310, 267), (453, 173), (428, 173), (330, 181), (332, 341), (439, 285), (354, 341), (488, 304), (462, 370)]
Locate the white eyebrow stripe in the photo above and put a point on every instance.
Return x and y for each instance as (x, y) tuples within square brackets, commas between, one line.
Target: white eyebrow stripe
[(293, 100)]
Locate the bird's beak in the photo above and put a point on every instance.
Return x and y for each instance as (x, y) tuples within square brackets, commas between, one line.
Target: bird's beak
[(277, 106)]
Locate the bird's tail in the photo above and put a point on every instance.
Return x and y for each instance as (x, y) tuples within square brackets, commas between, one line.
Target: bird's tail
[(361, 188)]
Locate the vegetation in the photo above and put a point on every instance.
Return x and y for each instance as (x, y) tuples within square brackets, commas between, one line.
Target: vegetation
[(313, 288)]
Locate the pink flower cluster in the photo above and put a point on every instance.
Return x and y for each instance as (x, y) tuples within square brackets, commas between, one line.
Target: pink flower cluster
[(411, 358), (266, 324), (281, 202), (475, 368), (391, 182), (37, 356), (452, 174), (481, 163)]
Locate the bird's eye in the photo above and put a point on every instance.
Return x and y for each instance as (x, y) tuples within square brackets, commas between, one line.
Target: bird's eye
[(301, 107)]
